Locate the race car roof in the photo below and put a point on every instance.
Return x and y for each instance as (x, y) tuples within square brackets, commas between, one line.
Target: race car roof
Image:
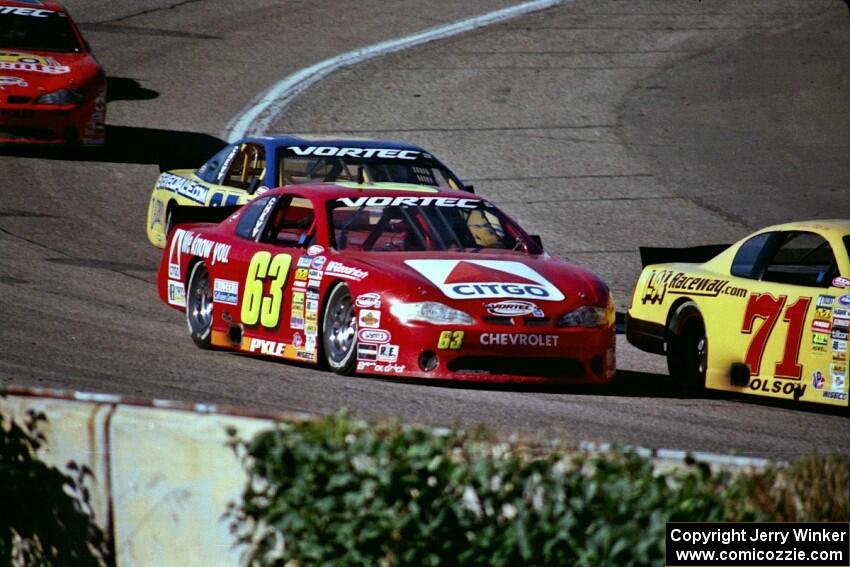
[(283, 140)]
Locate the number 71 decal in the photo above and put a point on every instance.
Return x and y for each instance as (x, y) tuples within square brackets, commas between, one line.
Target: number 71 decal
[(766, 307)]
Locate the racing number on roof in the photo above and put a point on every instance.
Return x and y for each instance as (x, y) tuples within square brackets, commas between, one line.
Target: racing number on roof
[(765, 306), (257, 306)]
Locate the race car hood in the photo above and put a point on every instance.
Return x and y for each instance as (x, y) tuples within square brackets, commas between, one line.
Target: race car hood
[(35, 73), (479, 280)]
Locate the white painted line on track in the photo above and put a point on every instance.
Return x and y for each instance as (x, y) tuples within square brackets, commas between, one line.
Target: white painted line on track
[(715, 459), (259, 115)]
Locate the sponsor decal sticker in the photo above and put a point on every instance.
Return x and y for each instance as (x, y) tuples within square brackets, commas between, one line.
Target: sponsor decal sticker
[(820, 342), (369, 318), (662, 282), (297, 341), (821, 326), (226, 291), (844, 300), (821, 313), (839, 345), (314, 284), (310, 343), (296, 322), (176, 294), (313, 305), (301, 274), (192, 190), (269, 348), (305, 356), (825, 302), (310, 327), (304, 262), (314, 274), (315, 250), (834, 396), (841, 313), (367, 352), (312, 295), (261, 220), (319, 262), (411, 202), (818, 380), (16, 61), (841, 282), (373, 336), (226, 164), (513, 309), (12, 82), (784, 387), (330, 151), (32, 12), (368, 301), (347, 272), (484, 279), (519, 339)]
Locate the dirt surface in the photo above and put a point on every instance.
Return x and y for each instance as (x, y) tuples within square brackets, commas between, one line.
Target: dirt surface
[(601, 125)]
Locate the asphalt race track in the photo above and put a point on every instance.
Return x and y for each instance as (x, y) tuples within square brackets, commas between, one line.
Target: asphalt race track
[(601, 125)]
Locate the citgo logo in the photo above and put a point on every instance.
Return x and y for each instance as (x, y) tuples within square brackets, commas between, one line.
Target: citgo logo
[(476, 279)]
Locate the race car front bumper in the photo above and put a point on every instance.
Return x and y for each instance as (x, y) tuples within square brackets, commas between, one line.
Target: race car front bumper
[(25, 122), (495, 354)]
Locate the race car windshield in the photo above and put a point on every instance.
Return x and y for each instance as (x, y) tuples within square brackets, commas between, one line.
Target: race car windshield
[(416, 224), (329, 169), (47, 31)]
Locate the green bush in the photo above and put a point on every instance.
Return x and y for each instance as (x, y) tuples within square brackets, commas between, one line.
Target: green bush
[(340, 492)]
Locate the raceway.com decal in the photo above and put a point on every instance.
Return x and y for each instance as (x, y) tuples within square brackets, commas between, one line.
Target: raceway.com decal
[(14, 61), (477, 279)]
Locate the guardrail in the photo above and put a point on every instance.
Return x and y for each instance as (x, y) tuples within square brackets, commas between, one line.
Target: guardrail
[(162, 472)]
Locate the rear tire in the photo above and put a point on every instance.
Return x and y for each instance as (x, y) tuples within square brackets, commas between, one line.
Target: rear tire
[(687, 349), (339, 331), (199, 306)]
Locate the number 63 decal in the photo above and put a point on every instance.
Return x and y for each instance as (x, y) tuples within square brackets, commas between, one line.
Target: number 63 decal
[(765, 306), (255, 305)]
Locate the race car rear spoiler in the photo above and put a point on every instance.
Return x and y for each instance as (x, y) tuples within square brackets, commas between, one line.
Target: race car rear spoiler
[(695, 254)]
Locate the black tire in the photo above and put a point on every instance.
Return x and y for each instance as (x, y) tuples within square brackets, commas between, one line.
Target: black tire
[(339, 331), (687, 349), (199, 306)]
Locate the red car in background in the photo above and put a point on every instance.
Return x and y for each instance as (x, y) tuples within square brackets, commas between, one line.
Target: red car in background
[(390, 280), (52, 90)]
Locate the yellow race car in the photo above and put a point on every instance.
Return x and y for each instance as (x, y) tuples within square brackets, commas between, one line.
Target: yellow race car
[(767, 315), (249, 167)]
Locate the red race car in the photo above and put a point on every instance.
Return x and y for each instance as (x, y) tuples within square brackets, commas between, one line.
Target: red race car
[(52, 90), (400, 281)]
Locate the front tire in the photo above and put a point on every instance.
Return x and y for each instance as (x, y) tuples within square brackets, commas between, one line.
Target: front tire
[(339, 331), (199, 306), (687, 349)]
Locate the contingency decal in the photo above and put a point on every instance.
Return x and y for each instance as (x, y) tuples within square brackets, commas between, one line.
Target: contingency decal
[(411, 202), (12, 82), (32, 12), (14, 61), (226, 291), (484, 279)]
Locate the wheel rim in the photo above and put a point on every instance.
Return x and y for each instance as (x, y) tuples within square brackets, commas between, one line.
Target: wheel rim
[(701, 352), (200, 306), (340, 328)]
